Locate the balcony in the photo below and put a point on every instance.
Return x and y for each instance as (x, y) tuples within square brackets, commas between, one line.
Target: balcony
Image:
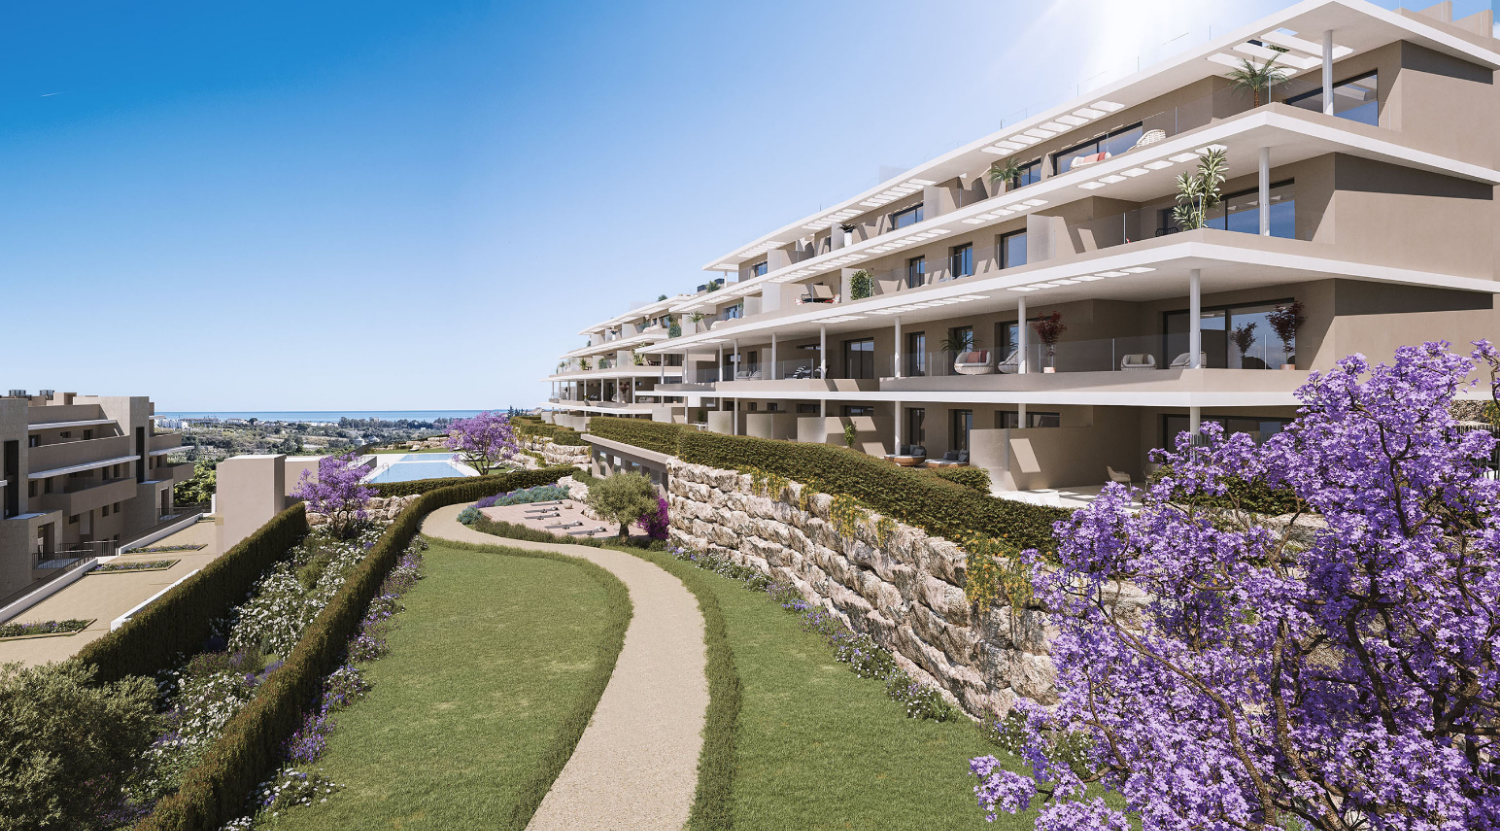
[(70, 454), (165, 441), (86, 494), (174, 473)]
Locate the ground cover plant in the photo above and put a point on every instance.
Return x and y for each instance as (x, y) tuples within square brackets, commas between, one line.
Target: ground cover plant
[(1343, 679), (522, 496), (43, 627), (488, 682), (165, 549), (140, 565)]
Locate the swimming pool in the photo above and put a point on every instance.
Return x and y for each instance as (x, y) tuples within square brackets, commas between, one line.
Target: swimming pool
[(413, 466)]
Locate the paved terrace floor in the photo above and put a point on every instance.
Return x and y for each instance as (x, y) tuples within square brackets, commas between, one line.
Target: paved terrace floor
[(105, 597), (636, 766)]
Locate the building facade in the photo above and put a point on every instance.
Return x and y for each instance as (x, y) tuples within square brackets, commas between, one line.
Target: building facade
[(80, 475), (1035, 301)]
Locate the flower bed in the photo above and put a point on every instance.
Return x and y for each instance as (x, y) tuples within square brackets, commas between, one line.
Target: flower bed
[(143, 565), (163, 549), (524, 496), (42, 628)]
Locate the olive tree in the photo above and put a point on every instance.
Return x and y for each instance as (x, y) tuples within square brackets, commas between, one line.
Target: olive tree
[(623, 498)]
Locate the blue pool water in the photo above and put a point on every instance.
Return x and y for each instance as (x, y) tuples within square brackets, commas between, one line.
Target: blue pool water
[(414, 466)]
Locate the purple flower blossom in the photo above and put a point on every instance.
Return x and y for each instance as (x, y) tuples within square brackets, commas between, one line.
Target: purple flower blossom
[(657, 522), (337, 492), (484, 441)]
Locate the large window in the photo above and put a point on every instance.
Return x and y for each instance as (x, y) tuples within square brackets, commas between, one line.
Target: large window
[(734, 312), (916, 272), (916, 354), (1011, 249), (1234, 337), (1007, 338), (1011, 419), (1259, 428), (758, 269), (916, 426), (961, 261), (852, 410), (963, 422), (908, 216), (1241, 211), (1357, 99), (1030, 173), (1097, 149), (859, 358)]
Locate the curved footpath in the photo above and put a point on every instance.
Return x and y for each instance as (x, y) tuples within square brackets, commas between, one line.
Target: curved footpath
[(637, 764)]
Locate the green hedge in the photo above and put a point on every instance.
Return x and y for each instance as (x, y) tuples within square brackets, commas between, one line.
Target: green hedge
[(647, 435), (214, 792), (533, 427), (976, 478), (908, 495), (478, 486), (179, 621)]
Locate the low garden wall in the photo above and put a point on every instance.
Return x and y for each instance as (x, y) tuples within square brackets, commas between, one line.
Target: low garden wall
[(893, 582)]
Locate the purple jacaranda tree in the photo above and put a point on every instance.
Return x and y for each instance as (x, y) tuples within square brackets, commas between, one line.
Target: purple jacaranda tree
[(484, 441), (1342, 678), (337, 493)]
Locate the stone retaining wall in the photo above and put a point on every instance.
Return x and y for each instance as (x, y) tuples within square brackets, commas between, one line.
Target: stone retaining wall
[(906, 594), (557, 454), (380, 509)]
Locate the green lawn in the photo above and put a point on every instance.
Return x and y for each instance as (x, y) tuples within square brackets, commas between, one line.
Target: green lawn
[(493, 670), (818, 747)]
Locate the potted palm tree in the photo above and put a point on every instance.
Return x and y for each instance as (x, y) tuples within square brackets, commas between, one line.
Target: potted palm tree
[(1048, 330), (1249, 77), (1198, 192), (1005, 172), (1285, 321)]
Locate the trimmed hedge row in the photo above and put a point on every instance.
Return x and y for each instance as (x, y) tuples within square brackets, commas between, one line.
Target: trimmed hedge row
[(533, 427), (647, 435), (214, 792), (179, 621), (908, 495), (477, 486), (976, 478)]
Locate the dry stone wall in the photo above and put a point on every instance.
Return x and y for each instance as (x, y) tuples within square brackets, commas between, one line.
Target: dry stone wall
[(907, 593), (380, 509), (557, 454)]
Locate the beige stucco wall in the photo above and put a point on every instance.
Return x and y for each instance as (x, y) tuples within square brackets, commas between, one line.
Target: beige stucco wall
[(251, 490)]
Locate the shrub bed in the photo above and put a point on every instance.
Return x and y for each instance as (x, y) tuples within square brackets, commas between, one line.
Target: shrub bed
[(43, 627), (647, 435), (479, 486), (163, 549), (975, 478), (251, 743), (182, 619), (143, 565), (534, 428), (915, 497)]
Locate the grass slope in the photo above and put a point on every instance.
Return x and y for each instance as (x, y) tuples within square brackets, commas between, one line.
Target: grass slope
[(493, 671)]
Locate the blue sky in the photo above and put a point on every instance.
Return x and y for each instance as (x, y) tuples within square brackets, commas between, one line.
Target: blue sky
[(392, 205)]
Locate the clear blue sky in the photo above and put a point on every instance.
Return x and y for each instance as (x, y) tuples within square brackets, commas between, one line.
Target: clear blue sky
[(391, 205)]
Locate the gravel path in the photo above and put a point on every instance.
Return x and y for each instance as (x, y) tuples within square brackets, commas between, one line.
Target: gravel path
[(637, 763)]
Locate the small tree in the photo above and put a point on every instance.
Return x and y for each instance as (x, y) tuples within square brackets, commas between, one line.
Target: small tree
[(1285, 322), (1048, 330), (1339, 679), (1243, 338), (623, 498), (1198, 192), (338, 493), (69, 743), (1257, 79), (484, 442), (851, 435)]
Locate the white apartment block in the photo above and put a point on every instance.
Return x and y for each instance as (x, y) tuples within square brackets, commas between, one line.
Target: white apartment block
[(1362, 188)]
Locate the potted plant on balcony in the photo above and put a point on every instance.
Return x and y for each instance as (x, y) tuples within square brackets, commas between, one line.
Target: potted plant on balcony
[(674, 329), (1243, 338), (851, 435), (1005, 172), (1257, 79), (1285, 321), (1198, 192), (583, 364), (1048, 329), (859, 285)]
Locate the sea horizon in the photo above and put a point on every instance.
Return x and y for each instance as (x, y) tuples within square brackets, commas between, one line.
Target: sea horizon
[(324, 415)]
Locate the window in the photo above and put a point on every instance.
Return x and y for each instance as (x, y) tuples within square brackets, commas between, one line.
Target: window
[(851, 410), (961, 261), (1007, 419), (1007, 338), (916, 426), (73, 520), (734, 312), (1240, 211), (47, 485), (807, 409), (773, 407), (1011, 249), (1233, 337), (759, 269), (916, 272), (1030, 174), (962, 334), (859, 358), (1357, 99), (117, 507), (31, 489), (103, 512), (1097, 149), (751, 407), (963, 422), (1043, 419), (33, 441), (64, 434), (1259, 428), (908, 216), (88, 434), (916, 354)]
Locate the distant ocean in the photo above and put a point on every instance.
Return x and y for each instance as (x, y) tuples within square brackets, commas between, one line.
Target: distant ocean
[(326, 416)]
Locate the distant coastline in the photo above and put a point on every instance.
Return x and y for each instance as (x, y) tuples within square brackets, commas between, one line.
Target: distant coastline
[(323, 416)]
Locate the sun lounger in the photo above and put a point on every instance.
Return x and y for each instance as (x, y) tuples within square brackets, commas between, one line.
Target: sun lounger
[(588, 533), (566, 525)]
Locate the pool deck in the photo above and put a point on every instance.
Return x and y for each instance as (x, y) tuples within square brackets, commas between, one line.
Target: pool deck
[(385, 462)]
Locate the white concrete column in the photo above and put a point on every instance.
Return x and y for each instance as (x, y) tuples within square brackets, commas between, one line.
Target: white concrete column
[(773, 356), (1021, 329), (1195, 319), (823, 353), (721, 361), (1265, 191), (896, 444), (823, 408), (734, 417), (1328, 72), (896, 355), (1021, 416), (736, 375), (1195, 420)]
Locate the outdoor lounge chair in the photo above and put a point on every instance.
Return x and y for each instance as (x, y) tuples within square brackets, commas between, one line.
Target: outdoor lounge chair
[(1185, 360), (1011, 365), (1117, 476), (953, 458), (1138, 360), (566, 525), (979, 362), (1085, 161), (908, 455), (1151, 137), (747, 375), (818, 293)]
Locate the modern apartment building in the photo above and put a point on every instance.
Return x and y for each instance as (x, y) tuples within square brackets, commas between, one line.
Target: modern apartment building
[(924, 311), (79, 476), (612, 374)]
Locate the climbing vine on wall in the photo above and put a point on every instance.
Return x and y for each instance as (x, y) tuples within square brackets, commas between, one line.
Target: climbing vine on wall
[(995, 573)]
